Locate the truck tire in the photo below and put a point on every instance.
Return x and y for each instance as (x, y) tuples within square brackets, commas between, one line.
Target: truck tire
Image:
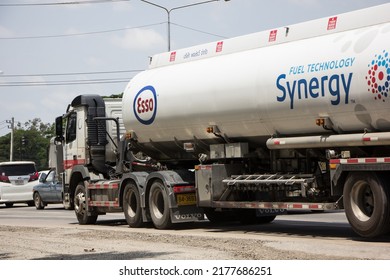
[(366, 203), (159, 206), (38, 201), (80, 206), (132, 206)]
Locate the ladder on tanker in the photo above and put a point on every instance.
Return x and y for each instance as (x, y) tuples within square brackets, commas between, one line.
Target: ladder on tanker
[(302, 181), (276, 182), (271, 179)]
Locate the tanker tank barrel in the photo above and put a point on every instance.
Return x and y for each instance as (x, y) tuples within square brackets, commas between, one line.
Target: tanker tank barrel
[(251, 87)]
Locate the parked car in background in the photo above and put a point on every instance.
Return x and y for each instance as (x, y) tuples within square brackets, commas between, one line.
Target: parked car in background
[(17, 179), (49, 190)]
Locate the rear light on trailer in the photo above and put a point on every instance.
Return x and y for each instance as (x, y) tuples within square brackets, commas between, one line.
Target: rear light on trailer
[(183, 189), (34, 176)]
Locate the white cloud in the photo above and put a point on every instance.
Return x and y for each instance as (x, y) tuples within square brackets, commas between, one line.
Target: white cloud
[(139, 39), (305, 3), (94, 61), (72, 30), (54, 104), (122, 7), (5, 32)]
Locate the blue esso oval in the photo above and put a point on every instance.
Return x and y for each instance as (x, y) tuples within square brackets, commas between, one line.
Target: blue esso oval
[(145, 105)]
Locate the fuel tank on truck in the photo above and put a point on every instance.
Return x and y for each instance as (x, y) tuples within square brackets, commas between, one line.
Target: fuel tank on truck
[(273, 82)]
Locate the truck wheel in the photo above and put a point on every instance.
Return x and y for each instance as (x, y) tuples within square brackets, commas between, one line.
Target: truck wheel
[(366, 203), (38, 201), (159, 207), (80, 206), (132, 206)]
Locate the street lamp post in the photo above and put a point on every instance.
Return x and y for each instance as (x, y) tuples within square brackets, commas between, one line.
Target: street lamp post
[(12, 127), (176, 8)]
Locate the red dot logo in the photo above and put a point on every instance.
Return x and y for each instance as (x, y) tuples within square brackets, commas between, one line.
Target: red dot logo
[(378, 76)]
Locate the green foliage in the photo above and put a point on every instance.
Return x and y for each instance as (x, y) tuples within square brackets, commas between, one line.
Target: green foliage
[(31, 142), (120, 95)]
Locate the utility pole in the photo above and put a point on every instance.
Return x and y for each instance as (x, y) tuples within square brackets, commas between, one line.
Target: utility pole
[(11, 126), (176, 8)]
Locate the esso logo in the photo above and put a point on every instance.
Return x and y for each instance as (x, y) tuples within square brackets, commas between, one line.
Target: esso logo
[(145, 105)]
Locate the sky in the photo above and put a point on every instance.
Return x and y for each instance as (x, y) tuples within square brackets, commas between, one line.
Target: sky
[(52, 51)]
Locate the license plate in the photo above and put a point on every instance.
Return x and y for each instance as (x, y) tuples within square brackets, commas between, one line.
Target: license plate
[(186, 199), (19, 182)]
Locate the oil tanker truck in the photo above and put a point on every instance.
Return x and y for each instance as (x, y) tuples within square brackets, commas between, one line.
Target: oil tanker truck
[(242, 129)]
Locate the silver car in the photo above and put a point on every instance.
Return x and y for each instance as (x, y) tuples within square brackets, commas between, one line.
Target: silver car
[(49, 190)]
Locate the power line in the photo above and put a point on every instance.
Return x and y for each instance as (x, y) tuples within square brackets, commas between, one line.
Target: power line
[(92, 32), (78, 34), (61, 3), (73, 73), (107, 31), (197, 30), (66, 83)]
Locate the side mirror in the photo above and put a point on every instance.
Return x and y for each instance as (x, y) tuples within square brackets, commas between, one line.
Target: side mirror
[(59, 131)]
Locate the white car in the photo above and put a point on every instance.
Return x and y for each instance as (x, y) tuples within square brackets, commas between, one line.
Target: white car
[(17, 179)]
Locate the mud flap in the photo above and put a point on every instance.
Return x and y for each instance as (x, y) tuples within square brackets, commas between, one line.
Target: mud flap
[(184, 214)]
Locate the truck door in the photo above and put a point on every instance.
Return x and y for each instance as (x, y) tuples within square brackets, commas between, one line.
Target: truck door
[(74, 147), (46, 189)]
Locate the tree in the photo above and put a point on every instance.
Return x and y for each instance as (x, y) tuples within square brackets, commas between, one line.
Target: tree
[(120, 95), (31, 142)]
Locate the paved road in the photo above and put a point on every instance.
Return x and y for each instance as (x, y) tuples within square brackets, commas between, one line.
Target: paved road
[(325, 234)]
